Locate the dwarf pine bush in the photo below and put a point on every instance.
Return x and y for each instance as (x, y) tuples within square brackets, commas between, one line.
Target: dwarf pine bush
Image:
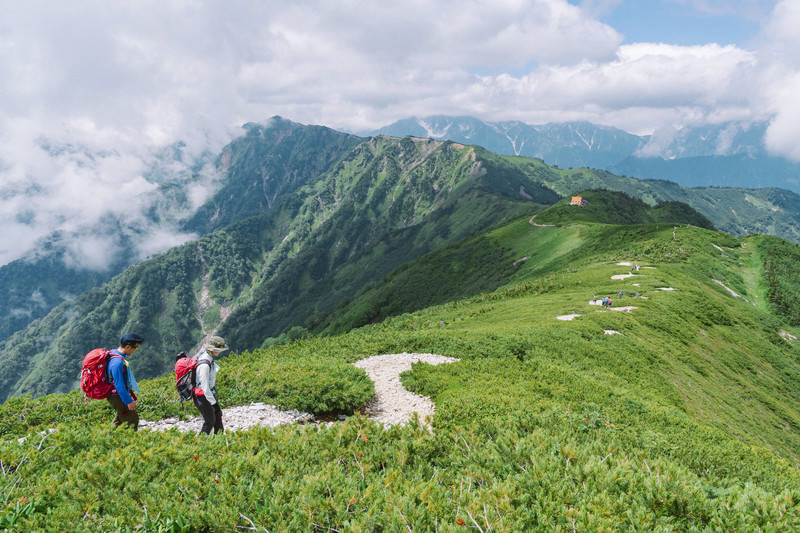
[(687, 419)]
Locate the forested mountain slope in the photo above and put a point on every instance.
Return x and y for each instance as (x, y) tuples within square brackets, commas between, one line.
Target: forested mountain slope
[(268, 162), (385, 203), (255, 171)]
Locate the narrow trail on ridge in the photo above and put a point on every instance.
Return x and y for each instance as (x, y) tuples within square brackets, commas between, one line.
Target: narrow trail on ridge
[(392, 403), (532, 223)]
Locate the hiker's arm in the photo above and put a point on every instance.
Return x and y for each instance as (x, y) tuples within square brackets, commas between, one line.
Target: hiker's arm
[(203, 372)]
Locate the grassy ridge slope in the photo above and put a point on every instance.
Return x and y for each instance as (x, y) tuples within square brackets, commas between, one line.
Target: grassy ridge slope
[(687, 418), (486, 262)]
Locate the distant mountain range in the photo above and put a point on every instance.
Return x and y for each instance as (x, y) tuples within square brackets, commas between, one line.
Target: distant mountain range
[(730, 154)]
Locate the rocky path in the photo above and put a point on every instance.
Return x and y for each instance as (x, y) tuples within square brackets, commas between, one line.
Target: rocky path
[(392, 403)]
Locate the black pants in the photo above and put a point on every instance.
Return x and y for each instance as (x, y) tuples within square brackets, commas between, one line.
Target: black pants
[(212, 415)]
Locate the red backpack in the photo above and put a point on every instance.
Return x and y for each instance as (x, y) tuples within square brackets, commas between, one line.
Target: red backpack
[(185, 369), (94, 380)]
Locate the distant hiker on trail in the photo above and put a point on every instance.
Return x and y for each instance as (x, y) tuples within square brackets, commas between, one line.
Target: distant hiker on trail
[(205, 392), (620, 294), (604, 301), (123, 395)]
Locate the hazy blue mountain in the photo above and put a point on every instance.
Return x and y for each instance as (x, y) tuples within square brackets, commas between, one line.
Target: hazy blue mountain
[(728, 154), (738, 170), (573, 144), (725, 139)]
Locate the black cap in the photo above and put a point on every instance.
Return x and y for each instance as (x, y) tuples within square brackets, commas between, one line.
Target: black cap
[(130, 338)]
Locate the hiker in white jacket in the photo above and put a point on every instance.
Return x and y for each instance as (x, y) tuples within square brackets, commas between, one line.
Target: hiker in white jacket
[(205, 392)]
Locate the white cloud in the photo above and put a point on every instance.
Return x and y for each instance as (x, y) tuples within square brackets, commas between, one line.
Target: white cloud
[(780, 57), (158, 239), (783, 135), (90, 251), (646, 86), (91, 90)]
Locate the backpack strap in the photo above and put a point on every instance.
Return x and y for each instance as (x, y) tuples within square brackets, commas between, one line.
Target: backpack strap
[(109, 356), (194, 371)]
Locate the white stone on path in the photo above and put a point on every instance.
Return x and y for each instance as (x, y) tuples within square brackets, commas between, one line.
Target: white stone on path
[(234, 418)]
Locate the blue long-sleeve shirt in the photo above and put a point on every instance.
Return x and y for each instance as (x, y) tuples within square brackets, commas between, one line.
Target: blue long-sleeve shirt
[(118, 376)]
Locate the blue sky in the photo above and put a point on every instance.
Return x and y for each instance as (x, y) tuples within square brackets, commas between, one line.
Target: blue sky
[(93, 89), (688, 23)]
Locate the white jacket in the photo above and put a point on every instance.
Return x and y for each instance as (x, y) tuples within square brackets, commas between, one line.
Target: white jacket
[(206, 377)]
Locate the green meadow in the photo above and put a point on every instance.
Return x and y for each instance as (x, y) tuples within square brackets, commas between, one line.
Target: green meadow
[(677, 409)]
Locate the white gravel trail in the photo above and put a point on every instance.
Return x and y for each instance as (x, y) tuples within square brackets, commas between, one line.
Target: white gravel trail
[(392, 403)]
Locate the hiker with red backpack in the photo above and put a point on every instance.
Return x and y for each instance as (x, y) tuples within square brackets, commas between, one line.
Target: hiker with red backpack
[(119, 374), (205, 392)]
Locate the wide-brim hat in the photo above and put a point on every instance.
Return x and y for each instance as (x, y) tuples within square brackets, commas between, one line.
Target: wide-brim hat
[(216, 344)]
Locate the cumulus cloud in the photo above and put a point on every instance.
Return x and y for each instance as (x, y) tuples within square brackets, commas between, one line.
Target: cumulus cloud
[(93, 91), (780, 57), (645, 87), (90, 251)]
